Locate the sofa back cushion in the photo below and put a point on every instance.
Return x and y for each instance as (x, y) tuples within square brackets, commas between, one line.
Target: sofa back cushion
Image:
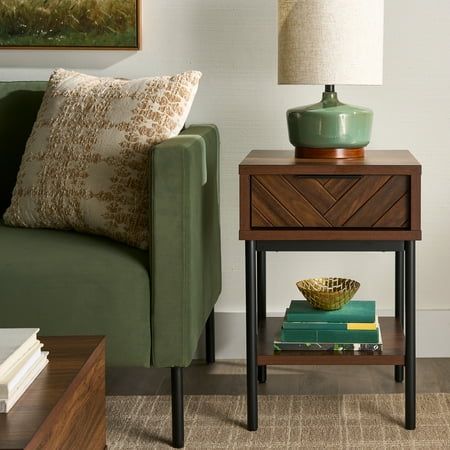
[(19, 105)]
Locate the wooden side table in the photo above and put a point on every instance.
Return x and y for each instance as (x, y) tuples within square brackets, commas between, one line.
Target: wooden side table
[(369, 204)]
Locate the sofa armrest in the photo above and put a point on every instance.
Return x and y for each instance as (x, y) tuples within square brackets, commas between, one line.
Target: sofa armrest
[(185, 256)]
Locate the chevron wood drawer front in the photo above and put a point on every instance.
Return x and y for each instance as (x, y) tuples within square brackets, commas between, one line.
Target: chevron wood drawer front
[(374, 198), (292, 201)]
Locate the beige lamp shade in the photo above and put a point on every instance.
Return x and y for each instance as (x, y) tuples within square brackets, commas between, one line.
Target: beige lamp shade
[(330, 41)]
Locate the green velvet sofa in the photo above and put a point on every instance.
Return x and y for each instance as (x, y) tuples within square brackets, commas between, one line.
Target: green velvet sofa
[(151, 305)]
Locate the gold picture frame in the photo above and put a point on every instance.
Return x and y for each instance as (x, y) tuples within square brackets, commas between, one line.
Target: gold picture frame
[(117, 25)]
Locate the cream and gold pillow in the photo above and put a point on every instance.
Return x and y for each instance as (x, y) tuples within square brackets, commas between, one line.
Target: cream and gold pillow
[(85, 165)]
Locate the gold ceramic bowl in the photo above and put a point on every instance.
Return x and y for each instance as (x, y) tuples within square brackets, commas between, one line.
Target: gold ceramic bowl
[(328, 293)]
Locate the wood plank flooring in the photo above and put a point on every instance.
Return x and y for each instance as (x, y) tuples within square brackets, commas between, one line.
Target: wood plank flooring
[(228, 377)]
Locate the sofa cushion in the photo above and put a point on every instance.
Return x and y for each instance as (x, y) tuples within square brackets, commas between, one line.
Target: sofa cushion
[(85, 166), (67, 283), (19, 104)]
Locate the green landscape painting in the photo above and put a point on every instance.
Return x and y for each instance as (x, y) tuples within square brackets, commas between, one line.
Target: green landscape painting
[(69, 23)]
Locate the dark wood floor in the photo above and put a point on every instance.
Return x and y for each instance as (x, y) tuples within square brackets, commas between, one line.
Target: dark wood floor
[(228, 377)]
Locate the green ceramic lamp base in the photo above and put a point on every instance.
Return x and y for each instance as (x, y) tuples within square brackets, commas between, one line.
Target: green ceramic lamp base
[(329, 129)]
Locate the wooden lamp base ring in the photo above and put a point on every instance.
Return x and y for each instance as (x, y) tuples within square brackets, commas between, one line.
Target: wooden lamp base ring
[(329, 153)]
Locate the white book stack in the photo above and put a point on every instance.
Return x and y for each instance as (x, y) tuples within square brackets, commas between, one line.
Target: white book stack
[(21, 361)]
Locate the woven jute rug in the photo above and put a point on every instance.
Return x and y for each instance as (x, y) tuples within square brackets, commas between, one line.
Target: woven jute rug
[(285, 422)]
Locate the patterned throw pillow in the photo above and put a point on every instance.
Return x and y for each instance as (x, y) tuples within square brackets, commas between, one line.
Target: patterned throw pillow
[(85, 165)]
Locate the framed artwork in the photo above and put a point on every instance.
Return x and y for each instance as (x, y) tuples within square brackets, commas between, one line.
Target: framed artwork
[(70, 24)]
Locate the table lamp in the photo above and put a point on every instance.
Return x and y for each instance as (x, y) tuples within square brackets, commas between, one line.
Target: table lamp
[(330, 42)]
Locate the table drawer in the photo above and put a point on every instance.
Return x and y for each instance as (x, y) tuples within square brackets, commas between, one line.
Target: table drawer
[(340, 201)]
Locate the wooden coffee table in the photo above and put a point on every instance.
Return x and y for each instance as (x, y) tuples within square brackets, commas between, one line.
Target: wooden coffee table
[(64, 408)]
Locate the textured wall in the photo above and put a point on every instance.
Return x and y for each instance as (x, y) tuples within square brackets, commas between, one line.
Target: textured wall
[(233, 43)]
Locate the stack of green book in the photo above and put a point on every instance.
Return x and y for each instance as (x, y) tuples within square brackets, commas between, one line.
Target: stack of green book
[(353, 327)]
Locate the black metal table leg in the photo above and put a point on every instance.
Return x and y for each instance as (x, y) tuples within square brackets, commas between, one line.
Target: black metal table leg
[(400, 301), (262, 374), (261, 295), (210, 339), (251, 330), (410, 357)]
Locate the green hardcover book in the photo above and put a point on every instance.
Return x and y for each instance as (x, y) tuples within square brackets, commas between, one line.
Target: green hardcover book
[(355, 311), (313, 326), (328, 325), (315, 346), (328, 336)]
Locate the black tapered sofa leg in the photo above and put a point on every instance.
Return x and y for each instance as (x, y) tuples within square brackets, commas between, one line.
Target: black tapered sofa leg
[(210, 339), (177, 407)]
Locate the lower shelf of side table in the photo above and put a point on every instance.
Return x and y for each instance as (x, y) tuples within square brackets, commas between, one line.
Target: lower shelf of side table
[(393, 348)]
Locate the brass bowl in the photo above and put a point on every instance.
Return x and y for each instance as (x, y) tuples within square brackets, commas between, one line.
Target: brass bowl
[(328, 293)]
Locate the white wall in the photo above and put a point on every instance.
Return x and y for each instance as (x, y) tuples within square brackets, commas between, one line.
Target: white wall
[(233, 42)]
